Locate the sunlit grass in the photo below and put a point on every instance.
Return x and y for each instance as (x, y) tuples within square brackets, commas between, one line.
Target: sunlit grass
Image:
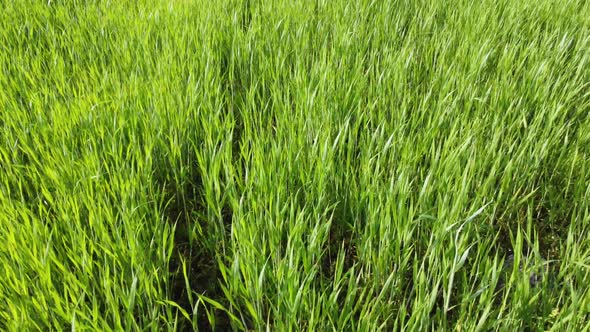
[(294, 165)]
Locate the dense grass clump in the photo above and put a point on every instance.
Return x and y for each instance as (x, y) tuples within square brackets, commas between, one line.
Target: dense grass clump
[(294, 165)]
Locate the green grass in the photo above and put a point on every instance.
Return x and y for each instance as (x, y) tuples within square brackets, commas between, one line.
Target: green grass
[(299, 165)]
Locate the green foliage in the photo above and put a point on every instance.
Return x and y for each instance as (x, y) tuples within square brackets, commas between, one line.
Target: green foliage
[(294, 165)]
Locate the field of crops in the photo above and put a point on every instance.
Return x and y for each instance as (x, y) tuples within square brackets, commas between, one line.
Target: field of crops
[(306, 165)]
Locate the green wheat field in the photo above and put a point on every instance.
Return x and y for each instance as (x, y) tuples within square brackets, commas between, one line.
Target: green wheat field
[(294, 165)]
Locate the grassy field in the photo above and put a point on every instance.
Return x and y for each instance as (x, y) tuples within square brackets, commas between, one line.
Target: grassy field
[(309, 165)]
